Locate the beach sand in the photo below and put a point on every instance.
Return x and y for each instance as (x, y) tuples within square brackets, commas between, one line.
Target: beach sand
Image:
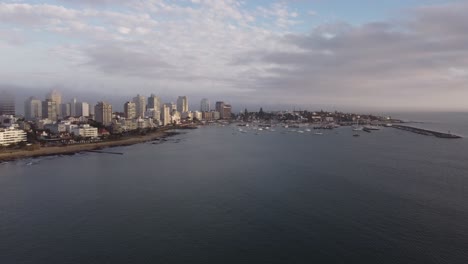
[(70, 149)]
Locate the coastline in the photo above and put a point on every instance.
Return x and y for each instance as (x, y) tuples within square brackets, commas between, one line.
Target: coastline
[(72, 149)]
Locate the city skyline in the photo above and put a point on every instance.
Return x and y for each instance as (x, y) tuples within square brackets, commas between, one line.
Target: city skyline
[(405, 55)]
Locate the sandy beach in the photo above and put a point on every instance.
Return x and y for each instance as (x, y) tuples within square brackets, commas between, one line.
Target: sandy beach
[(70, 149)]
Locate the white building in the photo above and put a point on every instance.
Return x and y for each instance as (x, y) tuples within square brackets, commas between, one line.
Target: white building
[(175, 117), (154, 102), (82, 109), (140, 103), (130, 110), (165, 115), (86, 131), (11, 135), (197, 115), (56, 97)]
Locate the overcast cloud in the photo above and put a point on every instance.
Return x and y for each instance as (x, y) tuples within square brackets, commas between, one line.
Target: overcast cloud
[(239, 52)]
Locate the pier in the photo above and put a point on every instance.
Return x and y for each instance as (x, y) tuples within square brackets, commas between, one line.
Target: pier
[(426, 132), (105, 152)]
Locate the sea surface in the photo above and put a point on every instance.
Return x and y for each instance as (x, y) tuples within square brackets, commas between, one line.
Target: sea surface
[(215, 195)]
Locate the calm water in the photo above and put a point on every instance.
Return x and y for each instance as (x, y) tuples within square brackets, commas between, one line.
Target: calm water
[(211, 196)]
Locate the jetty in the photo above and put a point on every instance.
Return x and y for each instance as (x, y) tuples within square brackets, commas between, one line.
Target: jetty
[(426, 132), (105, 152)]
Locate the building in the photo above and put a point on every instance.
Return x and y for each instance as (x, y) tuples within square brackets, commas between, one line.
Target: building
[(215, 115), (208, 116), (56, 97), (49, 110), (32, 108), (227, 110), (103, 113), (85, 131), (197, 115), (140, 103), (165, 115), (182, 104), (130, 110), (7, 104), (154, 102), (65, 109), (82, 109), (11, 135), (205, 105), (73, 103)]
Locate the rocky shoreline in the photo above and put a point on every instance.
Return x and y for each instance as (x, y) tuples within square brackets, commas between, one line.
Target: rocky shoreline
[(72, 149)]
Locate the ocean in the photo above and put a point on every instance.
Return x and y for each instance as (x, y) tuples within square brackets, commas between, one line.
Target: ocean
[(215, 195)]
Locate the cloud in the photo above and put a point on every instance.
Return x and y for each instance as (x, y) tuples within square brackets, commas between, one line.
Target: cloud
[(224, 47)]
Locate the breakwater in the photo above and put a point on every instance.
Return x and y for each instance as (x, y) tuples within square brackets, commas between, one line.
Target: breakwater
[(427, 132)]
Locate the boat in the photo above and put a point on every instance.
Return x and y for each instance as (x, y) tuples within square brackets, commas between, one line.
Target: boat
[(365, 129), (300, 131), (372, 127), (308, 130), (318, 133), (357, 127), (356, 135)]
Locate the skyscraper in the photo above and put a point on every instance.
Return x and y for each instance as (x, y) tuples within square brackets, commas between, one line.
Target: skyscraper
[(7, 104), (219, 107), (140, 103), (103, 112), (182, 104), (73, 103), (32, 108), (65, 109), (55, 96), (154, 102), (130, 110), (165, 115), (82, 109), (205, 105), (49, 110)]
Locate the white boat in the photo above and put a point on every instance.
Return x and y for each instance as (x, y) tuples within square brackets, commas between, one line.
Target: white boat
[(300, 131), (308, 130), (372, 127), (318, 133)]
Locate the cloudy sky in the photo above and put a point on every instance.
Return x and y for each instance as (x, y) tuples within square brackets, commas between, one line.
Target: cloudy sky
[(404, 54)]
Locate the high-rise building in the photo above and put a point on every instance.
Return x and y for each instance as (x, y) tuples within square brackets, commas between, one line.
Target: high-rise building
[(7, 104), (32, 108), (130, 110), (205, 105), (65, 109), (73, 103), (182, 104), (82, 109), (227, 110), (55, 96), (154, 102), (49, 110), (140, 103), (165, 115), (219, 106), (103, 113)]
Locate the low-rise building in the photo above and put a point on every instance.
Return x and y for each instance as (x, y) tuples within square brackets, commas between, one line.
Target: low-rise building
[(86, 131), (11, 135)]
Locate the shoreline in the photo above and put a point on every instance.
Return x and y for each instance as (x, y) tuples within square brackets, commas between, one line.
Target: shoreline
[(73, 149)]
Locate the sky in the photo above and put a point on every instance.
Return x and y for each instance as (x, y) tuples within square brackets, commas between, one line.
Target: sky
[(397, 55)]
